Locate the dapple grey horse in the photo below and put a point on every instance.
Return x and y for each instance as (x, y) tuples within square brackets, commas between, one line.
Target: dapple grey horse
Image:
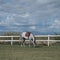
[(28, 36)]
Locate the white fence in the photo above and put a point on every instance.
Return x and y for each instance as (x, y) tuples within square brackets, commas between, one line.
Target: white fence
[(48, 38)]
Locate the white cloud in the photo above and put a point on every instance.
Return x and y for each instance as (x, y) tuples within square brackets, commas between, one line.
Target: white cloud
[(25, 15), (30, 12), (32, 27), (55, 24), (8, 21), (43, 1), (11, 19), (32, 21)]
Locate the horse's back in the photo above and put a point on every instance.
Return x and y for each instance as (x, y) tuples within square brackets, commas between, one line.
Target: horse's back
[(27, 34), (23, 34)]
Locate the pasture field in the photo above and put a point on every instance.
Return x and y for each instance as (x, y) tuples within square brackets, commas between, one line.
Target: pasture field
[(15, 52)]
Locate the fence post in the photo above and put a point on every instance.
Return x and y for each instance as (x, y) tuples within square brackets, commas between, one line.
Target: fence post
[(48, 40), (11, 40)]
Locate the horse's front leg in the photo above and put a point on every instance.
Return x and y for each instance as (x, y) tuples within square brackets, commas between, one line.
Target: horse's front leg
[(29, 43), (23, 42)]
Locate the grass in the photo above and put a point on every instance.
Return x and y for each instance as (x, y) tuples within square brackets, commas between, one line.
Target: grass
[(16, 52)]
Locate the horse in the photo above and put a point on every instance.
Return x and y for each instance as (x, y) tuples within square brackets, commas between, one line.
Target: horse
[(28, 36)]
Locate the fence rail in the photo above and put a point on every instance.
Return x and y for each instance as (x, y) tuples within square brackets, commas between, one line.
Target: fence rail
[(37, 36)]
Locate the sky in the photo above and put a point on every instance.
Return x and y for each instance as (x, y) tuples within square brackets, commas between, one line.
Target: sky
[(37, 16)]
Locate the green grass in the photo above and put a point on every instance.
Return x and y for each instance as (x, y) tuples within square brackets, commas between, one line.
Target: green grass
[(16, 52)]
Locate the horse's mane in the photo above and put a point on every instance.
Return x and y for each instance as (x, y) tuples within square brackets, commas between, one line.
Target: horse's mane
[(27, 34)]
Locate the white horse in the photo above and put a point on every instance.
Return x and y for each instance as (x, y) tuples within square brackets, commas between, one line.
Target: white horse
[(28, 36)]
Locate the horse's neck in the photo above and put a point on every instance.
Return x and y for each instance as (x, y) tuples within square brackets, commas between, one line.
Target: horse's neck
[(27, 34)]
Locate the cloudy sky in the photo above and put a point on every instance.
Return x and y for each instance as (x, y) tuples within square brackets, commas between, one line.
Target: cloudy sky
[(38, 16)]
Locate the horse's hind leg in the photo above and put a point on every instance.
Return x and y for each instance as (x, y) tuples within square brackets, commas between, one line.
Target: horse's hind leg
[(34, 43)]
